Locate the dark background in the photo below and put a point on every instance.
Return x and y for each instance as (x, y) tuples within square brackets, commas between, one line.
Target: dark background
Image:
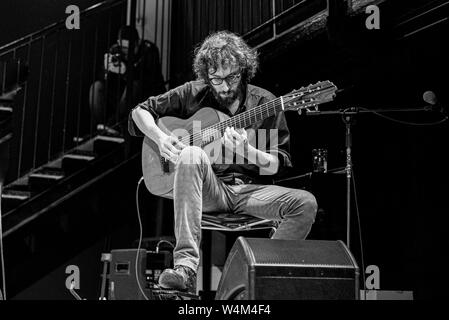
[(400, 171), (21, 17)]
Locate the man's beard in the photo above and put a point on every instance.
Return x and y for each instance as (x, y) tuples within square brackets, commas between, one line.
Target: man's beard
[(226, 101)]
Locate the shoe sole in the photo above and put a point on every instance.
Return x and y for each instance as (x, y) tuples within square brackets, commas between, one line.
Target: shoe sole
[(170, 282)]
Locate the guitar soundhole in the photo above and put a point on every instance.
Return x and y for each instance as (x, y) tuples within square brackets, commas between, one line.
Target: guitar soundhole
[(165, 165)]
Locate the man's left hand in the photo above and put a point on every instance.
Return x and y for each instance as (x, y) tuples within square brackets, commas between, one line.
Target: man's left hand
[(235, 139)]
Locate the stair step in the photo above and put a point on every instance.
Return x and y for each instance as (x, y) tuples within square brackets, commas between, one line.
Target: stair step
[(12, 198), (76, 160), (16, 194), (5, 112), (45, 177), (5, 121), (103, 144)]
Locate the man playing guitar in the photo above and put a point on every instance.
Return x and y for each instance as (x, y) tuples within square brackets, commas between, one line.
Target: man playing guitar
[(224, 65)]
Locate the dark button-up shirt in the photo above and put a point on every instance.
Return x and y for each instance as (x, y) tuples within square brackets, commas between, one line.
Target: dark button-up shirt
[(185, 100)]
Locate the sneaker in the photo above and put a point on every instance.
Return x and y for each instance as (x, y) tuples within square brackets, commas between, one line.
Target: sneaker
[(179, 278)]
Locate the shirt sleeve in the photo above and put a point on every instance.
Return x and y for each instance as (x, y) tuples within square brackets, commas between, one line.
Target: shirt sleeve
[(171, 103)]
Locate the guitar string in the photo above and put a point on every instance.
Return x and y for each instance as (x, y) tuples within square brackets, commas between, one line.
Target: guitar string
[(211, 132), (257, 111), (244, 116), (322, 86), (217, 130), (270, 109)]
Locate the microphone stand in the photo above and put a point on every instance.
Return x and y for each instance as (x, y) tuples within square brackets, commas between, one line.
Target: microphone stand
[(348, 118)]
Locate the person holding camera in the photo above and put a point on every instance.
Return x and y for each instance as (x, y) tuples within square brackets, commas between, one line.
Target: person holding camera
[(107, 96)]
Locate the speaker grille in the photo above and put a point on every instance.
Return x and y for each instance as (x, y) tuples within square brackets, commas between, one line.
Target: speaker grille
[(301, 252), (268, 269)]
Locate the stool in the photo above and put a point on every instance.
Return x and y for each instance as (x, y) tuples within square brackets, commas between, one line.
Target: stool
[(226, 222)]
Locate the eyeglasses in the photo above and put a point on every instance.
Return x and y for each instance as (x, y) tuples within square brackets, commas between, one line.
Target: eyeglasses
[(231, 79)]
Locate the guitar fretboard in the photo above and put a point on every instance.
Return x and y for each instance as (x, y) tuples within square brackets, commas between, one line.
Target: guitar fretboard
[(241, 120), (303, 98)]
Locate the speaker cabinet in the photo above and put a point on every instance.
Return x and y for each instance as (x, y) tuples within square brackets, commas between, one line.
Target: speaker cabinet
[(123, 277), (268, 269)]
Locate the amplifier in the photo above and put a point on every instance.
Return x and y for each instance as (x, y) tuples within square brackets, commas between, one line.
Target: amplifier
[(124, 278), (268, 269)]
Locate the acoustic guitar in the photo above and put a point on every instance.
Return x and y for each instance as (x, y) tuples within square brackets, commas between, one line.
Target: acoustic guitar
[(158, 172)]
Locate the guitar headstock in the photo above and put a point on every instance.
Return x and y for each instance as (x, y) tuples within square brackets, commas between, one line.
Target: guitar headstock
[(310, 96)]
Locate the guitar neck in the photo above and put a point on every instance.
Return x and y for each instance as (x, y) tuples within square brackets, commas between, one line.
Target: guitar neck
[(307, 97), (241, 120), (251, 116)]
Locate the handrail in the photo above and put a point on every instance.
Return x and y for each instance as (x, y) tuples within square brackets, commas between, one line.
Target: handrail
[(277, 17), (107, 4), (273, 19)]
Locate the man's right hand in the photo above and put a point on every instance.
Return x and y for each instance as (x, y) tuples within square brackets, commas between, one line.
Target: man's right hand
[(170, 147)]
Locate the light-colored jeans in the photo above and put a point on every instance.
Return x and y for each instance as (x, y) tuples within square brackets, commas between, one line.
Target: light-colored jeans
[(197, 189)]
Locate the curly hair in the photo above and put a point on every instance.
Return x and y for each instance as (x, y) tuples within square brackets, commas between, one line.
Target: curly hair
[(226, 49)]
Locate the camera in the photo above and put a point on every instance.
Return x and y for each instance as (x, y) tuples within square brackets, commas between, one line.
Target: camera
[(117, 55), (116, 58)]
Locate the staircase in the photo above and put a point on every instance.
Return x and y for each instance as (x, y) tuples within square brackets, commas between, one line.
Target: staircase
[(64, 207), (32, 195), (69, 188)]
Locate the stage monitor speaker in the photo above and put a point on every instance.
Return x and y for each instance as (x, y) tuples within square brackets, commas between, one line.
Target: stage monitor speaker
[(268, 269), (123, 278)]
